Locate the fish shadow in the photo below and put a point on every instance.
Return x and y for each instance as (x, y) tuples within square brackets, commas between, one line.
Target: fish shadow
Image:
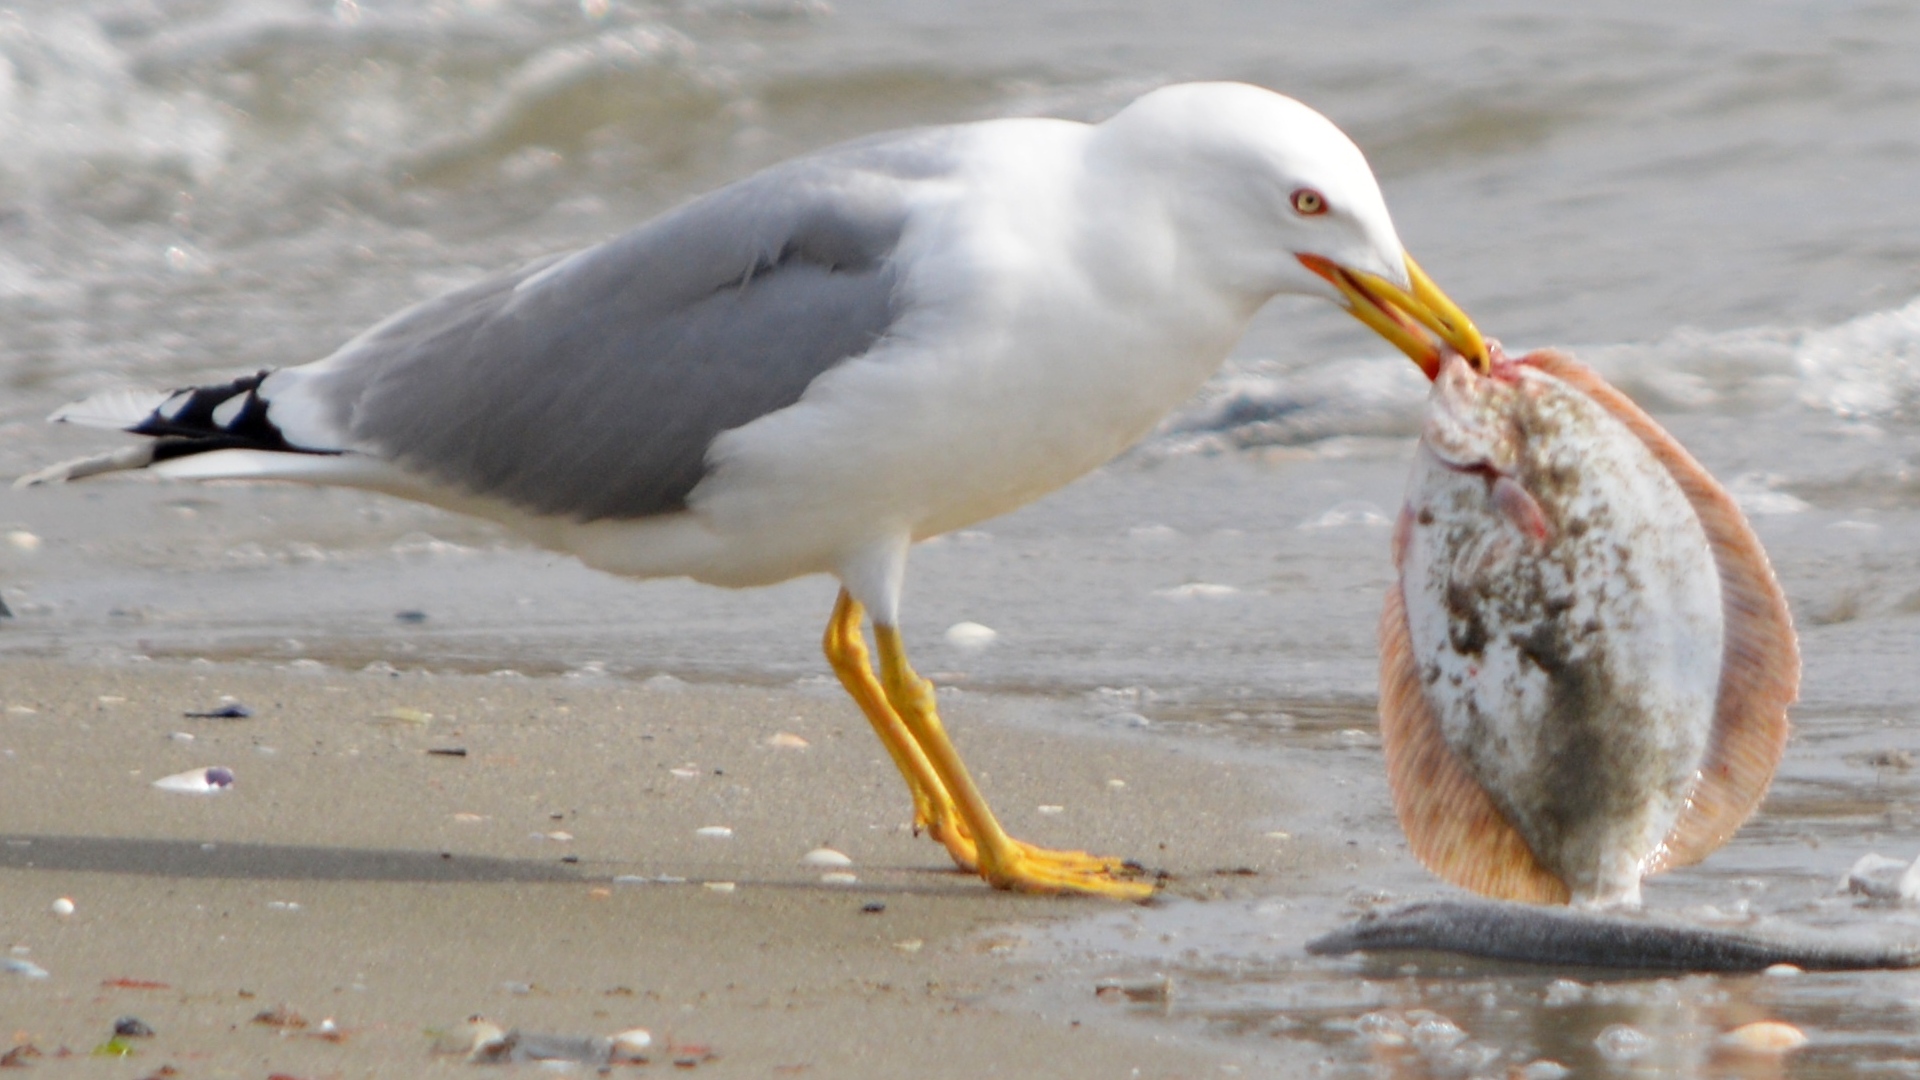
[(265, 862)]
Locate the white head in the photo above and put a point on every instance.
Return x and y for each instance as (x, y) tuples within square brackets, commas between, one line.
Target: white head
[(1272, 198)]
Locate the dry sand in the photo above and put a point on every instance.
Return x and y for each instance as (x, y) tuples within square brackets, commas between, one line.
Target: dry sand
[(351, 874)]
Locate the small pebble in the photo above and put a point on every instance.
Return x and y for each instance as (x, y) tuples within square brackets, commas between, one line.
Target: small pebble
[(181, 736), (1620, 1042), (838, 877), (718, 886), (873, 907), (412, 617), (716, 832), (1764, 1037), (630, 1044), (825, 856), (1050, 809), (232, 710), (131, 1027), (1542, 1069), (970, 636), (558, 836), (62, 907), (1784, 971), (208, 781), (23, 540), (786, 740)]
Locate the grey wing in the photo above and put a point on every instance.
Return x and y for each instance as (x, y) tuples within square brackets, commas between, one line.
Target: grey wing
[(591, 386)]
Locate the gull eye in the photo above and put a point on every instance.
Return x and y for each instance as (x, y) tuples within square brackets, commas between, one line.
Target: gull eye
[(1309, 203)]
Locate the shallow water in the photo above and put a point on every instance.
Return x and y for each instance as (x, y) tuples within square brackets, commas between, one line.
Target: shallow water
[(1714, 205)]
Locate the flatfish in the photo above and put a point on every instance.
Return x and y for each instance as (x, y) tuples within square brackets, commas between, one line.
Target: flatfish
[(1587, 662)]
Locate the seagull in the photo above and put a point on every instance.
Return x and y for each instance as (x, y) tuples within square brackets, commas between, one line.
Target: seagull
[(810, 369)]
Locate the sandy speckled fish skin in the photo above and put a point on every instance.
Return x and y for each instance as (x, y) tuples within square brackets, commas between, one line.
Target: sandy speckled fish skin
[(1564, 606)]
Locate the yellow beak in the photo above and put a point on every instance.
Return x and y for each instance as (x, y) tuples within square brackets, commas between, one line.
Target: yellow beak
[(1403, 317)]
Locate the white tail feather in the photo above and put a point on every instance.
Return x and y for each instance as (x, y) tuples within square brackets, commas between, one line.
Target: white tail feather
[(116, 409), (132, 457)]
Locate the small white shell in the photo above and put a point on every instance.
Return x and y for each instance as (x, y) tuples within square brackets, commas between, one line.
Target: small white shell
[(786, 740), (970, 636), (838, 877), (62, 907), (208, 781), (825, 856), (717, 886), (717, 832)]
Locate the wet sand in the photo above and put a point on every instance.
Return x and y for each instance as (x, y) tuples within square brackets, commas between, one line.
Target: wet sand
[(352, 874)]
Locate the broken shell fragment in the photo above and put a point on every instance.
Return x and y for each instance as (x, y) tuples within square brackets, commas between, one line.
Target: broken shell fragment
[(839, 877), (630, 1045), (970, 636), (714, 832), (208, 781), (825, 856), (1764, 1037), (786, 740), (62, 907)]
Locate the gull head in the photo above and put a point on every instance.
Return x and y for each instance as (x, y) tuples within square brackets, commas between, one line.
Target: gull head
[(1267, 196)]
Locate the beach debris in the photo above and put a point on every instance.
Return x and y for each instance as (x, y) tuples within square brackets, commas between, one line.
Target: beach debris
[(484, 1043), (281, 1018), (1549, 735), (26, 969), (1764, 1037), (713, 832), (410, 616), (468, 1038), (131, 1027), (557, 836), (18, 1057), (231, 710), (1154, 991), (407, 715), (208, 781), (910, 945), (786, 740), (447, 751), (1051, 809), (825, 856), (61, 908), (124, 983), (970, 636), (1880, 878), (839, 877), (181, 736), (873, 907), (115, 1047), (718, 886)]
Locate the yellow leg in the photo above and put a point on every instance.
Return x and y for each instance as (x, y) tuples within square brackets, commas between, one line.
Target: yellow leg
[(1005, 862), (933, 809)]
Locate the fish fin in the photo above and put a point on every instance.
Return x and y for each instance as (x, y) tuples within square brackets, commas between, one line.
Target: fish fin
[(1452, 825), (1760, 674)]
